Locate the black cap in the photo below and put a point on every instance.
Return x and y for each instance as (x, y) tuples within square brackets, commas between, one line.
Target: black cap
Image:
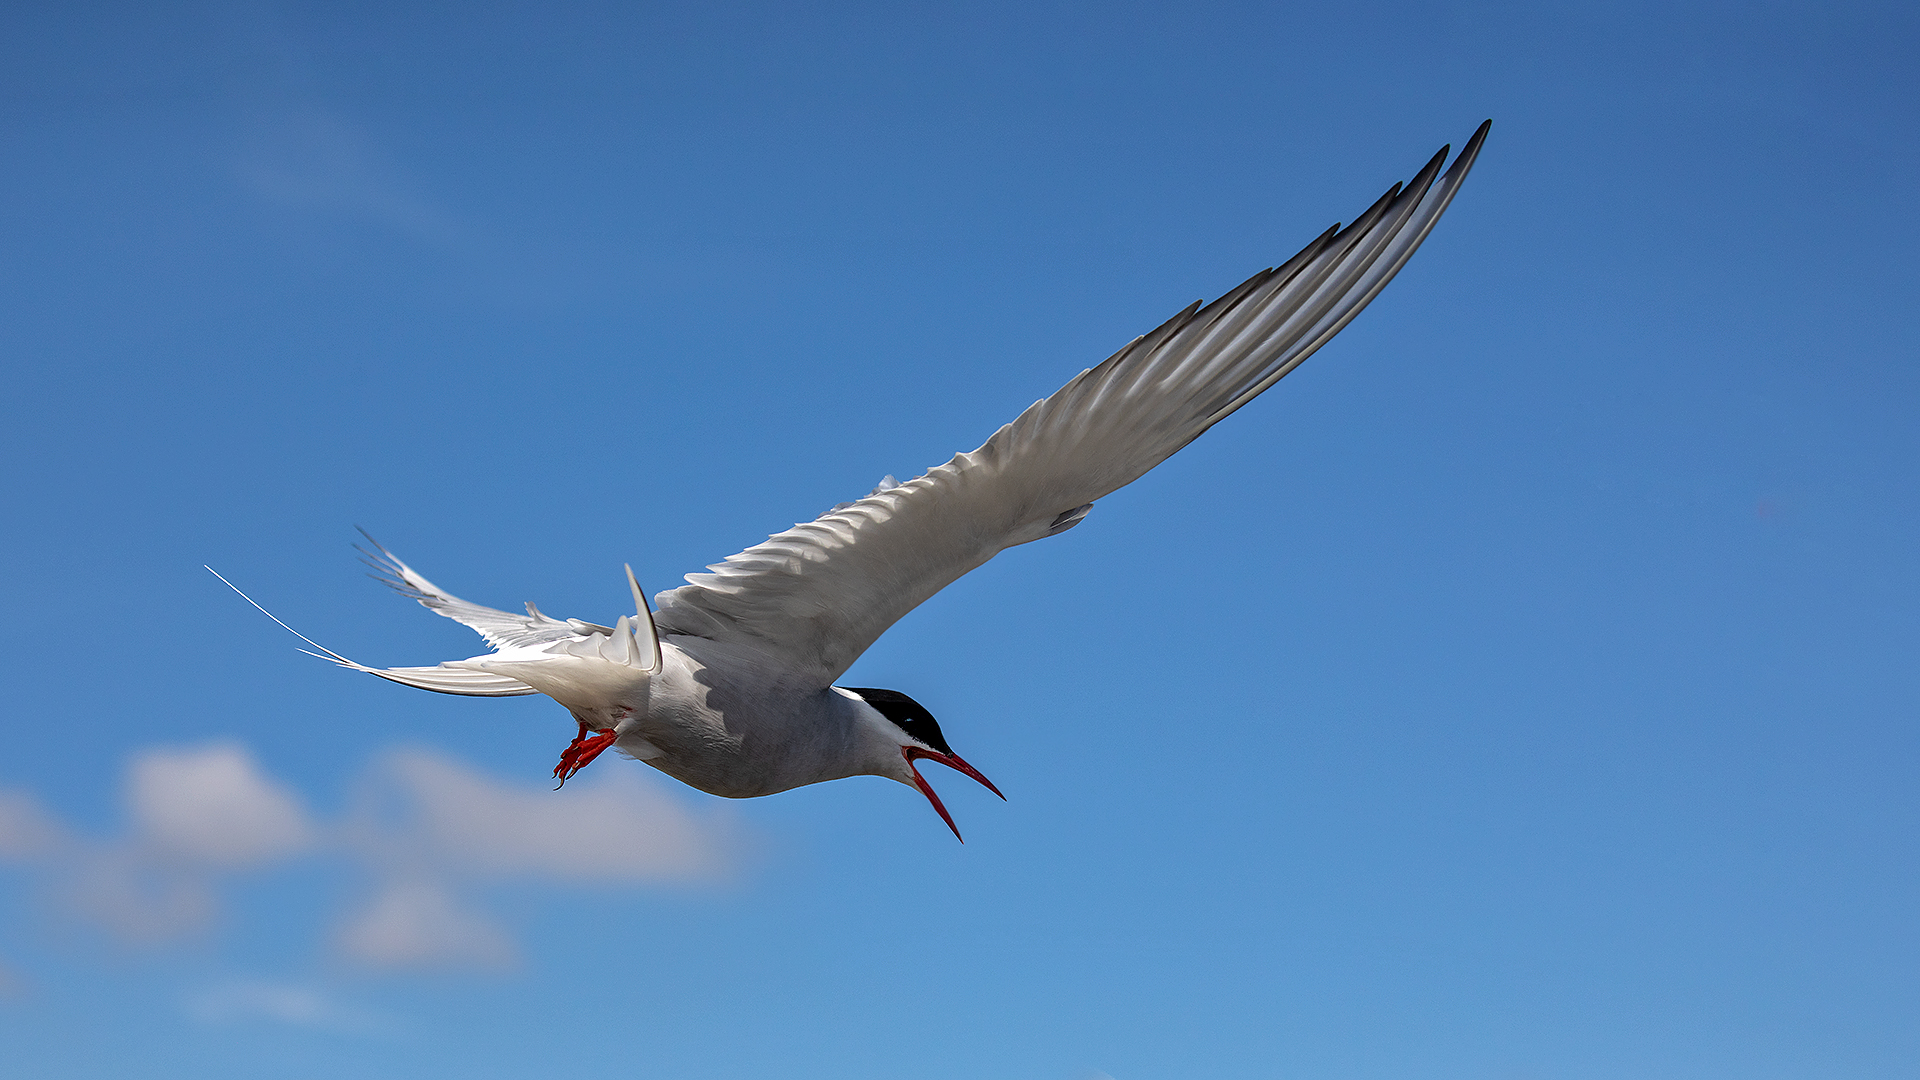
[(907, 714)]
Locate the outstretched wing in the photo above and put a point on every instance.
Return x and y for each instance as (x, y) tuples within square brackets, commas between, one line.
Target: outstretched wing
[(502, 629), (816, 596)]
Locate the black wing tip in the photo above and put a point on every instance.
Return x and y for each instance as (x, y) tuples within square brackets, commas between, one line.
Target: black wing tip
[(378, 546), (1423, 181), (1467, 152), (383, 565), (1472, 150), (380, 558), (1473, 141)]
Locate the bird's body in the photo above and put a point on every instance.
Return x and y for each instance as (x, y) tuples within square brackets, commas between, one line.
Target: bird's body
[(728, 726), (730, 685)]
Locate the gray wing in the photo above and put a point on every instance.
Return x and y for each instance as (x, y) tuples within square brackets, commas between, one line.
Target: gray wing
[(815, 597), (501, 629)]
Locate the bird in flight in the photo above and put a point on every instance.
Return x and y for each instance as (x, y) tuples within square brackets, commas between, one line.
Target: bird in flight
[(728, 683)]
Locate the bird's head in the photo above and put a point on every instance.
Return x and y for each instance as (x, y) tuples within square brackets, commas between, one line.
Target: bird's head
[(907, 724)]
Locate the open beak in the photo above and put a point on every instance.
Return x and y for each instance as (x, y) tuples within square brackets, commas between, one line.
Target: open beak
[(951, 761)]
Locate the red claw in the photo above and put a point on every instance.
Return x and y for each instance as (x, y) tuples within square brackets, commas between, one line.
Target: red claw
[(581, 752)]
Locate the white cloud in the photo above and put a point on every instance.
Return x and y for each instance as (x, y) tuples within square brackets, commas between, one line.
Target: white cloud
[(288, 1003), (26, 831), (618, 828), (419, 924), (139, 900), (427, 822), (425, 832), (194, 812), (212, 805)]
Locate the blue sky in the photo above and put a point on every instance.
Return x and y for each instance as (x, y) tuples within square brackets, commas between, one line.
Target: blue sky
[(1524, 688)]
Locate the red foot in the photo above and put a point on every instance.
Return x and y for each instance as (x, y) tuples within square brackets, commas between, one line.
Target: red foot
[(581, 752)]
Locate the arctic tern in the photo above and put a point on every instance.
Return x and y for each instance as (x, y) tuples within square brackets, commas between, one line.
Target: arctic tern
[(728, 682)]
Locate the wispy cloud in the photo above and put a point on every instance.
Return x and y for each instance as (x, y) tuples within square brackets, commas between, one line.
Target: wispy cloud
[(425, 830), (613, 829), (250, 1000), (301, 152), (420, 924), (311, 159), (195, 815), (429, 827), (27, 831), (212, 805), (138, 897)]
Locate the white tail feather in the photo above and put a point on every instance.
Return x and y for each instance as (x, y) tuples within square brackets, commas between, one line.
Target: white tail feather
[(441, 680)]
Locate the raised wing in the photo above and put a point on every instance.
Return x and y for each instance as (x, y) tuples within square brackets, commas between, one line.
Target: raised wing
[(816, 596), (502, 629), (632, 642)]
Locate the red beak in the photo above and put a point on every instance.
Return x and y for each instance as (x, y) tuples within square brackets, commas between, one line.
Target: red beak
[(951, 761)]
